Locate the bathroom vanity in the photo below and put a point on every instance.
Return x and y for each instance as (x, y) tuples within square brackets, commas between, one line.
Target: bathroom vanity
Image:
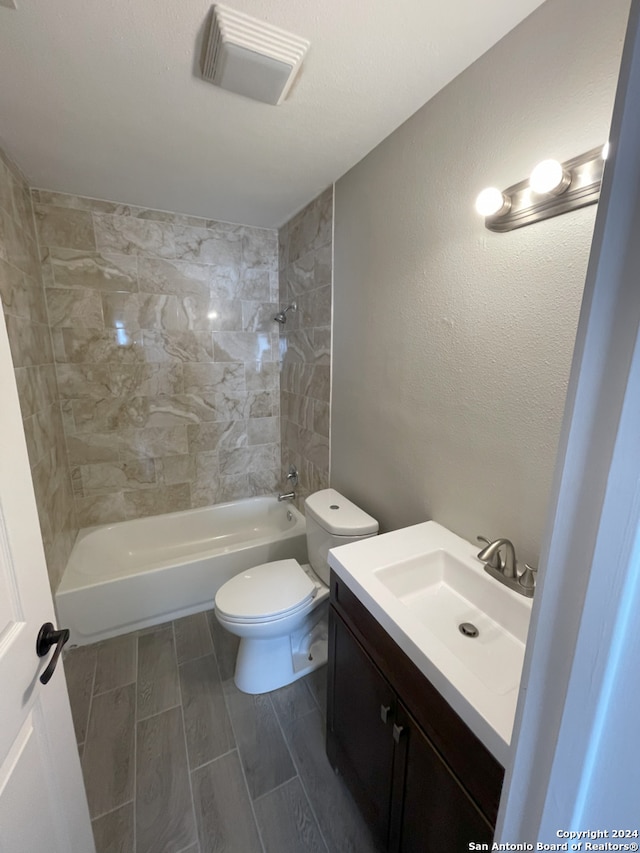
[(404, 728)]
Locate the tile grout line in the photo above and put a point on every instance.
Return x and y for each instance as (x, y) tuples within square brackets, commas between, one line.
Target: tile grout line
[(184, 737), (157, 713), (86, 734), (111, 689), (277, 788), (244, 775), (114, 809), (211, 760), (295, 764), (197, 657)]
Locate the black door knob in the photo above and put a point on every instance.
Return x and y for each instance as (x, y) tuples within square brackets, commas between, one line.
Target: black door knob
[(47, 637)]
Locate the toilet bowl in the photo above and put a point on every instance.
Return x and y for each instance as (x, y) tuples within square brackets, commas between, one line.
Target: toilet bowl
[(279, 609)]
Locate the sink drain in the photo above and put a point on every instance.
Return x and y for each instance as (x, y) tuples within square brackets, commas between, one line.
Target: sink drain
[(468, 629)]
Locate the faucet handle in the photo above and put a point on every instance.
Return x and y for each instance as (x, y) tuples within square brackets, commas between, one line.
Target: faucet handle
[(527, 578)]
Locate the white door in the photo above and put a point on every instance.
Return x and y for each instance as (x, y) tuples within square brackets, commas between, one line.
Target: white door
[(43, 805)]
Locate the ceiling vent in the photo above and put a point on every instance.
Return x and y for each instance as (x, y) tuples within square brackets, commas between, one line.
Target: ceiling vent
[(249, 57)]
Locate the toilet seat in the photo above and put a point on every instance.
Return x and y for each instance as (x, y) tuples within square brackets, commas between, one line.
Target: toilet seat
[(265, 593)]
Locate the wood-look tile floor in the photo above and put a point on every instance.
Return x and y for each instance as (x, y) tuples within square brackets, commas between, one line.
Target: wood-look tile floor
[(177, 760)]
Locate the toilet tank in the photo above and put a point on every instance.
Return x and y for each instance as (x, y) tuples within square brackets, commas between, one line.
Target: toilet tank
[(333, 520)]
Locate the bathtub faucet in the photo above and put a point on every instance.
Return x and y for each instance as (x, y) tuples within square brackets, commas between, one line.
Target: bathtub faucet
[(287, 496)]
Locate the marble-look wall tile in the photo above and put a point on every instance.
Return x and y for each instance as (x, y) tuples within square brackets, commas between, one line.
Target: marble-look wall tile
[(21, 295), (209, 245), (132, 236), (263, 430), (153, 442), (25, 310), (178, 278), (30, 342), (101, 509), (70, 307), (178, 346), (176, 469), (221, 435), (96, 447), (79, 345), (166, 355), (59, 226), (144, 502), (248, 347), (262, 376), (305, 276), (103, 272), (105, 478), (312, 228)]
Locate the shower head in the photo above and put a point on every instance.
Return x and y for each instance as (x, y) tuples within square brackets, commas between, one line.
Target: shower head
[(281, 316)]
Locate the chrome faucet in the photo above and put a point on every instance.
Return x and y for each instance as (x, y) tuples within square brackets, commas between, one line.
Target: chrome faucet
[(499, 558), (292, 478), (491, 555)]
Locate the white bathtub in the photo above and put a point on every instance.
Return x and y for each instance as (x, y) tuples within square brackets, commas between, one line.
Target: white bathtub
[(134, 574)]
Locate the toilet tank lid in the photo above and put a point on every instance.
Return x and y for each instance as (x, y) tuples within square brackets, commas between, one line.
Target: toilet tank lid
[(337, 515)]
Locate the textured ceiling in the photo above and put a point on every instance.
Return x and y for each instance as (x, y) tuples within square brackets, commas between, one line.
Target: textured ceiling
[(103, 99)]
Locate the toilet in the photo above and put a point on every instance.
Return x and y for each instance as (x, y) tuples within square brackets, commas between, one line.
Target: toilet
[(279, 609)]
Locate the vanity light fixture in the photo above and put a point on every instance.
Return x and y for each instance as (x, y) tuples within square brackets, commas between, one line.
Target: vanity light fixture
[(492, 202), (552, 189), (550, 178)]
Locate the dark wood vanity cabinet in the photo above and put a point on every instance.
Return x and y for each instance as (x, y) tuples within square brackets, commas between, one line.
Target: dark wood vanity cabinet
[(423, 780)]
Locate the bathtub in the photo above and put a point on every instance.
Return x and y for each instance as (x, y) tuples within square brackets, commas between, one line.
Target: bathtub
[(134, 574)]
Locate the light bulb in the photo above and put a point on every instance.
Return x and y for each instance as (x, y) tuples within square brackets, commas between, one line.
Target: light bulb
[(605, 150), (549, 177), (491, 202)]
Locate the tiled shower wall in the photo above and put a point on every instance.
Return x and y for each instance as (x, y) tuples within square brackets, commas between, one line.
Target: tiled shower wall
[(166, 355), (26, 318), (305, 247)]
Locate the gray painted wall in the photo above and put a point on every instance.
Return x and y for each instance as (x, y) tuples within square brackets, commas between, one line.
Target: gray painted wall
[(452, 345)]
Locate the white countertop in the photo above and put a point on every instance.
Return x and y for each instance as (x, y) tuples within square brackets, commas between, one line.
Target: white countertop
[(488, 711)]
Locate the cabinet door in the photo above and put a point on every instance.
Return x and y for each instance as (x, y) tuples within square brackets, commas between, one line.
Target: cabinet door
[(433, 813), (359, 741)]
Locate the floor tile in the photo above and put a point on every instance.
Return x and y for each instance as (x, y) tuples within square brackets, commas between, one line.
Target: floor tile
[(207, 726), (113, 832), (225, 645), (164, 809), (158, 685), (108, 760), (340, 822), (223, 809), (116, 663), (316, 681), (294, 813), (263, 751), (286, 822), (193, 638), (293, 701), (79, 669)]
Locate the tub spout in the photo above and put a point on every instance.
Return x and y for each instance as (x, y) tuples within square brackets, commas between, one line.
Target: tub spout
[(287, 496)]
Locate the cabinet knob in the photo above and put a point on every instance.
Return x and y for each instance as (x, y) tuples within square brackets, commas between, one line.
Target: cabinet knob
[(385, 711), (397, 732)]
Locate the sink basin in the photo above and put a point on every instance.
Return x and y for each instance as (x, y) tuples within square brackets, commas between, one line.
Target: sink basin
[(445, 593), (422, 584)]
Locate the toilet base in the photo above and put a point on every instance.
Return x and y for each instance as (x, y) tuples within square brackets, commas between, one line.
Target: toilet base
[(267, 664)]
